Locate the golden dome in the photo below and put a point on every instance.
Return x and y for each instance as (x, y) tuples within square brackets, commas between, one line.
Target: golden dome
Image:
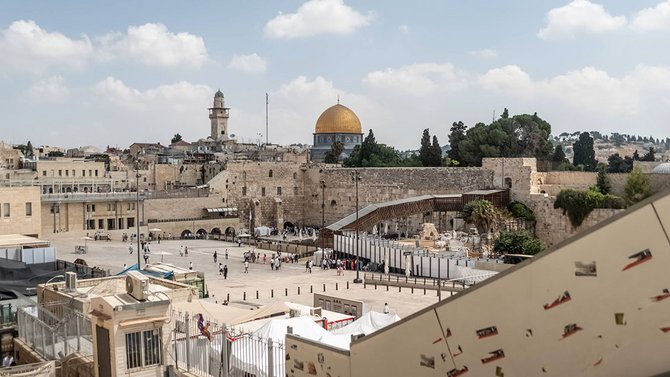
[(338, 119)]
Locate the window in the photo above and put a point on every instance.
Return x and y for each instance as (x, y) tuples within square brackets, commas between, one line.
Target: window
[(60, 173), (83, 172), (67, 173), (92, 207), (130, 222), (44, 173), (262, 191), (96, 172), (270, 174), (244, 191), (278, 190), (90, 172), (5, 209), (29, 209), (143, 348)]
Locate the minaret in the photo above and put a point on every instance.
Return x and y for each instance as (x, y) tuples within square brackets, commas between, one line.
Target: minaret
[(218, 115)]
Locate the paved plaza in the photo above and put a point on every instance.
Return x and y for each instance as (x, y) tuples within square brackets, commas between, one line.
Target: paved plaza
[(112, 255)]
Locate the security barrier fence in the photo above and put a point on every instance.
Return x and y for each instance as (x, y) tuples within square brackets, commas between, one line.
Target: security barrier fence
[(207, 348), (55, 330)]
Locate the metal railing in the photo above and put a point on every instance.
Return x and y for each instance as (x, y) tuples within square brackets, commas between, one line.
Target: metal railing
[(55, 330), (207, 348)]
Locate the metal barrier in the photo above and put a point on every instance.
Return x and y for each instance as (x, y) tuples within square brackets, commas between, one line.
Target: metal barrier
[(45, 369), (55, 331), (206, 348)]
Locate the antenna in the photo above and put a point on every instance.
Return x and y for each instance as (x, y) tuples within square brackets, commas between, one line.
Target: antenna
[(267, 102), (493, 118)]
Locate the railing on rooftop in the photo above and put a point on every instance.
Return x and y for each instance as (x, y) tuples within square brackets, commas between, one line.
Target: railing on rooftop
[(55, 330)]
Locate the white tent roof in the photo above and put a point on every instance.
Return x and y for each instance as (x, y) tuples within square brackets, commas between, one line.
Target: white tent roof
[(367, 324), (249, 357)]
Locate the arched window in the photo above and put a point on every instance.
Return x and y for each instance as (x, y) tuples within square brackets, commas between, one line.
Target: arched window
[(508, 182)]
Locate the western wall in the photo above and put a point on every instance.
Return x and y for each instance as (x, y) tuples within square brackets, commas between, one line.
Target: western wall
[(292, 193)]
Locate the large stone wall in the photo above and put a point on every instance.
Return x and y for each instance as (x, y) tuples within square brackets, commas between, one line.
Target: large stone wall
[(302, 195), (553, 227), (17, 220)]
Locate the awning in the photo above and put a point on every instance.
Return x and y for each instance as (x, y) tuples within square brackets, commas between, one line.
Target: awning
[(221, 210), (134, 322)]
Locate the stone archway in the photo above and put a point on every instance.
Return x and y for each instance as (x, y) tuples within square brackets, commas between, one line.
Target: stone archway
[(216, 231), (230, 231), (201, 233), (186, 233)]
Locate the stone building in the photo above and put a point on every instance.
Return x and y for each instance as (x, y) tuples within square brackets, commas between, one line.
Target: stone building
[(20, 210), (336, 123), (10, 158)]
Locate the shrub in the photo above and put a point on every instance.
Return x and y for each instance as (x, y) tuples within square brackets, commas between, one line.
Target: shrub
[(520, 211), (517, 242), (578, 204)]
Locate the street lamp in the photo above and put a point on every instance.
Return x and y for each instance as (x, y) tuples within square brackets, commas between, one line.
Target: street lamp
[(323, 203), (137, 215), (356, 176)]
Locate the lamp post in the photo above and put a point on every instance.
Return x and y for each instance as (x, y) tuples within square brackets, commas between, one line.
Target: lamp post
[(137, 215), (323, 203), (356, 176)]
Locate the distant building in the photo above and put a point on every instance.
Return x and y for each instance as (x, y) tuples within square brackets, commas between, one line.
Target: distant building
[(337, 123), (20, 210)]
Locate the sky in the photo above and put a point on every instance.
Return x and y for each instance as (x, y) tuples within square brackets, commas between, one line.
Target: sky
[(77, 73)]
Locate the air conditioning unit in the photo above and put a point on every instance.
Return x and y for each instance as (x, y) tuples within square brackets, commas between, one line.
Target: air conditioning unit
[(294, 313), (137, 285), (315, 312), (70, 281)]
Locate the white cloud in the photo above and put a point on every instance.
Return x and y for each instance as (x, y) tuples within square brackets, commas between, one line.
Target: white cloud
[(248, 63), (485, 53), (153, 45), (651, 19), (588, 89), (417, 79), (52, 89), (25, 46), (317, 17), (181, 96), (577, 17), (510, 78), (403, 28)]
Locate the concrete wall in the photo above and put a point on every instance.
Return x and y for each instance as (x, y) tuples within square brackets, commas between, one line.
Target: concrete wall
[(17, 221), (180, 208), (613, 322)]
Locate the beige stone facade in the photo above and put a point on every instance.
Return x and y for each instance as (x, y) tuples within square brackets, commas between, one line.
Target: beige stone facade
[(10, 158), (20, 211)]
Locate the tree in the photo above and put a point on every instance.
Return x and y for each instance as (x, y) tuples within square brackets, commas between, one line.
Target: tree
[(175, 138), (584, 154), (517, 242), (435, 153), (425, 152), (456, 135), (368, 147), (522, 135), (371, 154), (649, 156), (55, 154), (603, 184), (29, 150), (333, 155), (636, 156), (616, 164), (483, 214), (518, 210), (637, 186)]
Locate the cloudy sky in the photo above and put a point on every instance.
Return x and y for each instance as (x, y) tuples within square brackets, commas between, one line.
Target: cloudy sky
[(76, 73)]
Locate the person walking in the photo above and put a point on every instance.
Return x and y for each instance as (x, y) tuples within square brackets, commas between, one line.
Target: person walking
[(272, 263), (386, 308), (190, 266), (215, 256), (220, 268), (225, 254), (181, 250), (246, 267), (225, 272), (186, 250), (130, 249)]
